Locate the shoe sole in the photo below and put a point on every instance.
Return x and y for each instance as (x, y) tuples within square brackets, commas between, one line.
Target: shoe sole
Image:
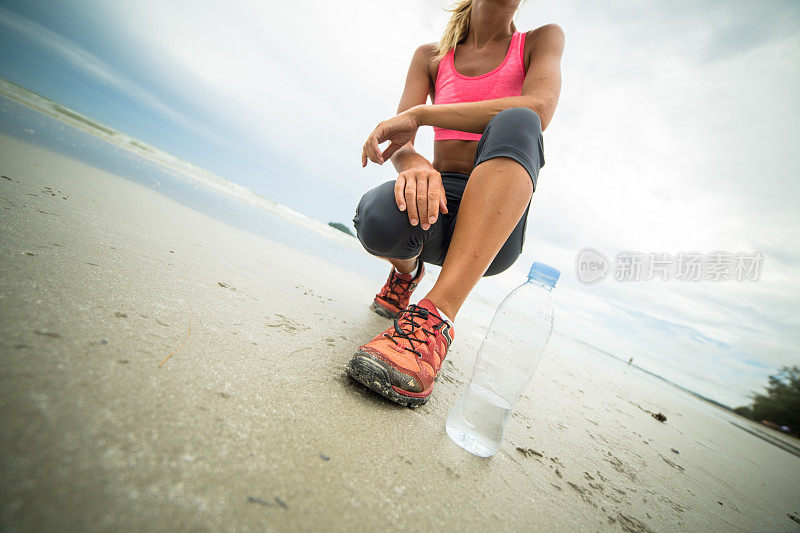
[(378, 308), (373, 376)]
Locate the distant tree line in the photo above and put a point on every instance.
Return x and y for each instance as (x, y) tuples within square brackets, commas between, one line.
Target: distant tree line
[(780, 403), (341, 227)]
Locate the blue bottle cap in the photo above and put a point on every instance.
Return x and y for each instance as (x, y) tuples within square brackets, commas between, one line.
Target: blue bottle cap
[(544, 274)]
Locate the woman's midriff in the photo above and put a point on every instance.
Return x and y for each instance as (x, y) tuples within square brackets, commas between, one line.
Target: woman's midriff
[(454, 156)]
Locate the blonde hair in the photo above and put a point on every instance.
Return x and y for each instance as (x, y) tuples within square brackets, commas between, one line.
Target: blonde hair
[(457, 27)]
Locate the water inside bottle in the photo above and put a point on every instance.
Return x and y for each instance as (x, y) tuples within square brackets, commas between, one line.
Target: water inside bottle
[(478, 421)]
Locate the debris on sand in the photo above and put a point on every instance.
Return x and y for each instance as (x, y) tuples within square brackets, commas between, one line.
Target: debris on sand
[(658, 416), (672, 463), (182, 345), (674, 450), (259, 501), (528, 452), (45, 333)]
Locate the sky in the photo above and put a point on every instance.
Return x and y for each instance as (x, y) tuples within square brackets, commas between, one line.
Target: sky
[(677, 131)]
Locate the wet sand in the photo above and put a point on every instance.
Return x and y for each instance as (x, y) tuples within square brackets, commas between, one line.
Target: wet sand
[(252, 424)]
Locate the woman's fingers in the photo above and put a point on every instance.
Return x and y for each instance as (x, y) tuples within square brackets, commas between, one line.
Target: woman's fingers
[(433, 200), (390, 150), (422, 202), (420, 193), (399, 192), (398, 129), (376, 150), (371, 149), (367, 153), (411, 200)]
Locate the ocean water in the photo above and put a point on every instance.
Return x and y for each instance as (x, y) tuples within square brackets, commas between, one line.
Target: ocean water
[(36, 120)]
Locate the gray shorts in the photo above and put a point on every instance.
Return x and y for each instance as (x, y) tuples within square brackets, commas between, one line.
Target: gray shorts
[(385, 231)]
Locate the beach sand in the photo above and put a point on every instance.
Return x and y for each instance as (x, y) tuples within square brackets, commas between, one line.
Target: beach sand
[(253, 424)]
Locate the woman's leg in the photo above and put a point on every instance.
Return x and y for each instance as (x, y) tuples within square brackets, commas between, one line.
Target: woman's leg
[(385, 231), (403, 362), (496, 197), (404, 266), (507, 162)]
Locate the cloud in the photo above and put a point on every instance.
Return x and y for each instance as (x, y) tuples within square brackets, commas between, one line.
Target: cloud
[(93, 66), (673, 134)]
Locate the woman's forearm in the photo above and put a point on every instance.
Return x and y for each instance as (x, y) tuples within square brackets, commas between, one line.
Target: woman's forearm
[(474, 116), (407, 158)]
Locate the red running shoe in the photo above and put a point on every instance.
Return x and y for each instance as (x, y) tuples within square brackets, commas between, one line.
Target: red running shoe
[(395, 294), (402, 362)]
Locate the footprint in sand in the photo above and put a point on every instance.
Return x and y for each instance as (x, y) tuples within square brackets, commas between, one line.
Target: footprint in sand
[(285, 323)]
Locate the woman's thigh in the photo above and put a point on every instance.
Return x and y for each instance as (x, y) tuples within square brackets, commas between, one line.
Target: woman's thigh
[(385, 231), (510, 250), (454, 185)]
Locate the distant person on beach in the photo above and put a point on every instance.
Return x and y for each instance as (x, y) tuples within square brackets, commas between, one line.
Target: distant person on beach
[(494, 90)]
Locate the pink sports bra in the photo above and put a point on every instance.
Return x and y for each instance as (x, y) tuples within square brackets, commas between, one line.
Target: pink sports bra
[(453, 87)]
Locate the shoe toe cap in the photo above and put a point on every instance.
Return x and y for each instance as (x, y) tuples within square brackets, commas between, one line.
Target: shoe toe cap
[(404, 378)]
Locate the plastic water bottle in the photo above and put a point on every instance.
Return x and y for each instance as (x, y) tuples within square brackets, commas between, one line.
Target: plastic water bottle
[(506, 361)]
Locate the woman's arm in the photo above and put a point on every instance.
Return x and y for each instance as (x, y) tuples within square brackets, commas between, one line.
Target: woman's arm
[(540, 90), (415, 92), (418, 187)]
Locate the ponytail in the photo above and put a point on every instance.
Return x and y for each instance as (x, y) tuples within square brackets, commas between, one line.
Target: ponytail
[(457, 27)]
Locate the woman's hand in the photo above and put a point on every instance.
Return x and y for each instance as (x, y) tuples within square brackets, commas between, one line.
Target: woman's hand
[(420, 190), (398, 130)]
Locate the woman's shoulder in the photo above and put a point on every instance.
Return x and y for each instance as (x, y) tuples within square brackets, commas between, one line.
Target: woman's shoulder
[(426, 54), (547, 36), (548, 31), (427, 49)]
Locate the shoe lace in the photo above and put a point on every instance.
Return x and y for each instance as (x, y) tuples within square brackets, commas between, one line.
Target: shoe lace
[(394, 289), (405, 327)]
